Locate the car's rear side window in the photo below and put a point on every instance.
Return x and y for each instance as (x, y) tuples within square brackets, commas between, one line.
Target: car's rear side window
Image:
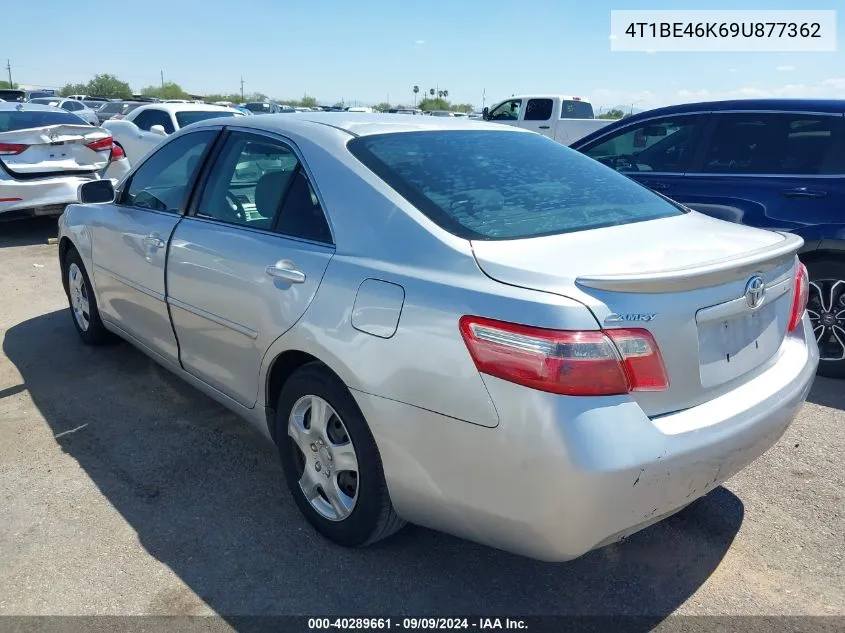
[(505, 184), (783, 143)]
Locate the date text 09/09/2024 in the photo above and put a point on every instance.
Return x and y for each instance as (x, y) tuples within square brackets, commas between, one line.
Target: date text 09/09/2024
[(409, 624)]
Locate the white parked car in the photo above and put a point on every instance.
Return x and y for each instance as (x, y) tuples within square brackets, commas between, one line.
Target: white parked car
[(564, 119), (46, 154), (144, 128), (71, 105)]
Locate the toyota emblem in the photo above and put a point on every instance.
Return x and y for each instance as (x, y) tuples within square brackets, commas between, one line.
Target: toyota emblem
[(755, 292)]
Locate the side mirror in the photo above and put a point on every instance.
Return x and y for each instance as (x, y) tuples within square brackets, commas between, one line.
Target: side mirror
[(96, 192), (485, 114), (158, 129)]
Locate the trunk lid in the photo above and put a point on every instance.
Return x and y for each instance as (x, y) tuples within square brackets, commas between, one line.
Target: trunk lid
[(683, 278), (55, 149)]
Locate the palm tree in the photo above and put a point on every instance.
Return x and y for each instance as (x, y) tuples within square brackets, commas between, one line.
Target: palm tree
[(431, 91), (439, 94), (445, 93), (416, 90)]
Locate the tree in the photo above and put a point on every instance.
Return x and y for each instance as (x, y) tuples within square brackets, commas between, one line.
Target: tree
[(431, 91), (434, 104), (73, 89), (5, 85), (109, 86), (170, 90), (308, 102), (415, 90), (382, 107), (615, 113)]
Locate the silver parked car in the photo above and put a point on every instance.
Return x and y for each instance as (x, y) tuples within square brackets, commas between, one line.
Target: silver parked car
[(71, 105), (449, 322)]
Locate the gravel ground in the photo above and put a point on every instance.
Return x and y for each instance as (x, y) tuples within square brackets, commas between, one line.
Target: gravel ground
[(124, 491)]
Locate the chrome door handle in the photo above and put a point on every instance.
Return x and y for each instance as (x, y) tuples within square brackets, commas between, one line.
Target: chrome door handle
[(154, 241), (544, 127), (803, 192), (284, 269)]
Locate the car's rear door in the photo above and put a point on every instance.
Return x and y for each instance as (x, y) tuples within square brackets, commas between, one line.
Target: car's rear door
[(130, 241), (654, 152), (246, 262), (778, 171), (538, 116)]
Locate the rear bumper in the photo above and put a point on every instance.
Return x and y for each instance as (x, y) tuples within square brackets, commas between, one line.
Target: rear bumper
[(42, 196), (561, 476)]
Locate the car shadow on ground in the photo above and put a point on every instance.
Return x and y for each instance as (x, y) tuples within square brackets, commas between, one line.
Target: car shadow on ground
[(828, 392), (27, 232), (205, 495)]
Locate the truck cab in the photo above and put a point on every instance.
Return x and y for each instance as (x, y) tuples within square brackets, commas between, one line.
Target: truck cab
[(563, 119)]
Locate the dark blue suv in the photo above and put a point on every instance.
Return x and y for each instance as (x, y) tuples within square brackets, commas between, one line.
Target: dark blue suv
[(775, 164)]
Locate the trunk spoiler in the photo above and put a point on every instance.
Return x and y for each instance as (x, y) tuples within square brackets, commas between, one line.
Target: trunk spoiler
[(701, 275)]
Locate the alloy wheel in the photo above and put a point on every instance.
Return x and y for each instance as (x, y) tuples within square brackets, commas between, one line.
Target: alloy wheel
[(325, 458), (826, 309)]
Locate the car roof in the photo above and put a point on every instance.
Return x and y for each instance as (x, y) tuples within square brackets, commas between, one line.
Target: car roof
[(357, 124), (179, 107), (834, 106), (6, 106)]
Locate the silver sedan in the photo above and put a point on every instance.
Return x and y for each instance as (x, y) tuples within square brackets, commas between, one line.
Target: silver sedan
[(448, 322)]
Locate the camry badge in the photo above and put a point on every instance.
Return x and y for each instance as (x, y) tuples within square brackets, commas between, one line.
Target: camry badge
[(626, 318)]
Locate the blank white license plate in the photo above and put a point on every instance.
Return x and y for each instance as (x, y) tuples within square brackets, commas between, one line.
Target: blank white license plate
[(728, 348)]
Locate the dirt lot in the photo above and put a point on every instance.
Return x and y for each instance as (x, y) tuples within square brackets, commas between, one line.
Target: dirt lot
[(124, 491)]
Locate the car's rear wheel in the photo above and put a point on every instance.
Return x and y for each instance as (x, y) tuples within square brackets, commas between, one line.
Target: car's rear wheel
[(83, 303), (331, 464), (826, 309)]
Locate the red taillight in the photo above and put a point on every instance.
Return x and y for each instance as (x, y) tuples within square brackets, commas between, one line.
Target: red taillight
[(800, 296), (11, 149), (117, 153), (101, 145), (588, 363)]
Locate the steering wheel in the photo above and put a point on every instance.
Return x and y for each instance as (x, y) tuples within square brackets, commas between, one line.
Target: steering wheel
[(236, 208)]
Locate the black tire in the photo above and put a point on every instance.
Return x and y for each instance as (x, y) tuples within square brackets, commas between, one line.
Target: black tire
[(821, 271), (372, 517), (96, 333)]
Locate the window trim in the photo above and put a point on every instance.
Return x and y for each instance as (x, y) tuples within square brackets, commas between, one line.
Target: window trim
[(205, 173), (192, 186), (695, 168)]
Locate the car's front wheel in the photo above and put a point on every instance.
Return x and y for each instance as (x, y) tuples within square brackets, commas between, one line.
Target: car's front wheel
[(83, 303), (330, 460), (826, 309)]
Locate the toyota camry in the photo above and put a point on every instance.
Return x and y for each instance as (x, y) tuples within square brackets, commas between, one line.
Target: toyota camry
[(453, 323)]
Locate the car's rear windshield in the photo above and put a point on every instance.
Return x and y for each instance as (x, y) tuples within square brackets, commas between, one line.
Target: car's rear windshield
[(113, 106), (12, 95), (52, 101), (496, 185), (257, 107), (13, 120), (576, 110), (186, 118)]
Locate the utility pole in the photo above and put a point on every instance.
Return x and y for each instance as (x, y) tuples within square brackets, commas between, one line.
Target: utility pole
[(162, 78), (242, 88), (9, 68)]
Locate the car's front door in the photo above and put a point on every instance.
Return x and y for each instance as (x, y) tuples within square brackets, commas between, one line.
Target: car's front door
[(507, 112), (655, 152), (246, 262), (130, 242)]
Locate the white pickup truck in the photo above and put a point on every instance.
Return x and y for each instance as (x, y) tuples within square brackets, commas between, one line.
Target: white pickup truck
[(564, 119)]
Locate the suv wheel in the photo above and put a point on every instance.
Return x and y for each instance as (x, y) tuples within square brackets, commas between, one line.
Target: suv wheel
[(826, 309)]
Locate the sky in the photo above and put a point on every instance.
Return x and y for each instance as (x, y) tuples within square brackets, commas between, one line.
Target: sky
[(373, 51)]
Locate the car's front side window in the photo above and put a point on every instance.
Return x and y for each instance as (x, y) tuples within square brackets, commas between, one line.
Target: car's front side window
[(507, 111), (148, 118), (163, 181), (657, 145)]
